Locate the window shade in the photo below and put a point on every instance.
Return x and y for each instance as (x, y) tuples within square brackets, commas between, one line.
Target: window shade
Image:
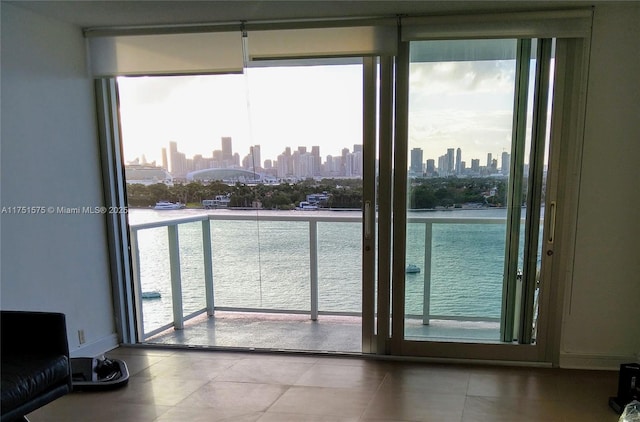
[(322, 42), (166, 54), (552, 24)]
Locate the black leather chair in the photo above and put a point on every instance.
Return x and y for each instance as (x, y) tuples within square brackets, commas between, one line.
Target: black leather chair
[(35, 362)]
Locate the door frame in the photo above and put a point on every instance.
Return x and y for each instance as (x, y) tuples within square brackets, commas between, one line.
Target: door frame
[(568, 111)]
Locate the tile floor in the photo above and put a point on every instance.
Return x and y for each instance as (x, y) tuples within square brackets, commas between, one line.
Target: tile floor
[(201, 385), (330, 333)]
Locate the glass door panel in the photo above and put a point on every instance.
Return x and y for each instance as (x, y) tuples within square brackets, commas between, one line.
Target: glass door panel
[(461, 96), (477, 147), (267, 159)]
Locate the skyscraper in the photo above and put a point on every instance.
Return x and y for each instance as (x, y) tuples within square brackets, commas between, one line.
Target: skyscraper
[(317, 160), (450, 160), (489, 158), (458, 161), (475, 165), (506, 163), (177, 161), (431, 166), (343, 163), (165, 162), (416, 162), (227, 149), (256, 156)]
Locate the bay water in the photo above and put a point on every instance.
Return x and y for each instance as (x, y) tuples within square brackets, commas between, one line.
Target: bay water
[(266, 264)]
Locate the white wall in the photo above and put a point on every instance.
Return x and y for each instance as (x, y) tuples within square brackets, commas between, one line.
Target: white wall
[(602, 316), (50, 158)]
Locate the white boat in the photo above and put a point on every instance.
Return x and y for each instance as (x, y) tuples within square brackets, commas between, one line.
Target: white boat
[(151, 295), (307, 206), (166, 205), (412, 269)]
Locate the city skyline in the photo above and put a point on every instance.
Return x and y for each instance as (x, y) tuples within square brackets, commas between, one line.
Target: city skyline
[(313, 165), (467, 105), (300, 162)]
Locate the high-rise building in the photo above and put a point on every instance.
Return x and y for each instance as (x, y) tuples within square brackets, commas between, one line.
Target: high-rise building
[(306, 164), (431, 166), (289, 162), (165, 162), (317, 160), (450, 160), (282, 166), (217, 158), (256, 156), (343, 164), (489, 158), (227, 149), (443, 165), (415, 167), (173, 152), (177, 161), (458, 161), (475, 165), (506, 163), (295, 164)]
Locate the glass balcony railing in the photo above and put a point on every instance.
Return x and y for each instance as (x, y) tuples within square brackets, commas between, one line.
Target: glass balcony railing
[(306, 264)]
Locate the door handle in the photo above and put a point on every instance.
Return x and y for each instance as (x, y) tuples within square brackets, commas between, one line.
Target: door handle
[(367, 220), (552, 223)]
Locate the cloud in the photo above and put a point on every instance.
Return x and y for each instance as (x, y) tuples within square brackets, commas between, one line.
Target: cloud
[(432, 78), (465, 104)]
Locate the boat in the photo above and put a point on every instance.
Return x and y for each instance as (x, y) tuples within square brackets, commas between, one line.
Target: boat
[(412, 269), (307, 206), (151, 295), (166, 205)]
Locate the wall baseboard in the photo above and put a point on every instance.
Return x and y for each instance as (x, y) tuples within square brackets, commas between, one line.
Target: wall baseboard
[(599, 362), (95, 348)]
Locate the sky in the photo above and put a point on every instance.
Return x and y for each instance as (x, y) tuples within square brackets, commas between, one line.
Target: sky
[(465, 105), (270, 107)]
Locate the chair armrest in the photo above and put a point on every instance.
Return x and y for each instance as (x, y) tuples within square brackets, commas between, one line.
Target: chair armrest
[(25, 332)]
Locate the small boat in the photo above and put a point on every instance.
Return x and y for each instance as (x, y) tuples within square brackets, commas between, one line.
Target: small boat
[(151, 295), (166, 205), (307, 206), (412, 269)]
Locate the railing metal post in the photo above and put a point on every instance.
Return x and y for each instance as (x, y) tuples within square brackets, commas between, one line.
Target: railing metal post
[(313, 261), (137, 283), (426, 298), (176, 282), (208, 266)]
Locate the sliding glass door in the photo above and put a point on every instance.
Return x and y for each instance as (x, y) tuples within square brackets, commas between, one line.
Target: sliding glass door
[(466, 274), (272, 160)]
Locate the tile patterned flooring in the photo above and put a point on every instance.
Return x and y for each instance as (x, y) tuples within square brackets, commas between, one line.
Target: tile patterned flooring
[(202, 385), (330, 333)]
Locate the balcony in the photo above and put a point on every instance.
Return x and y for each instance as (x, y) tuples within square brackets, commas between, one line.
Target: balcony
[(292, 280)]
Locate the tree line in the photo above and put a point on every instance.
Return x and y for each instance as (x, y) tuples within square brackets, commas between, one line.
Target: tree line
[(423, 193), (340, 193)]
